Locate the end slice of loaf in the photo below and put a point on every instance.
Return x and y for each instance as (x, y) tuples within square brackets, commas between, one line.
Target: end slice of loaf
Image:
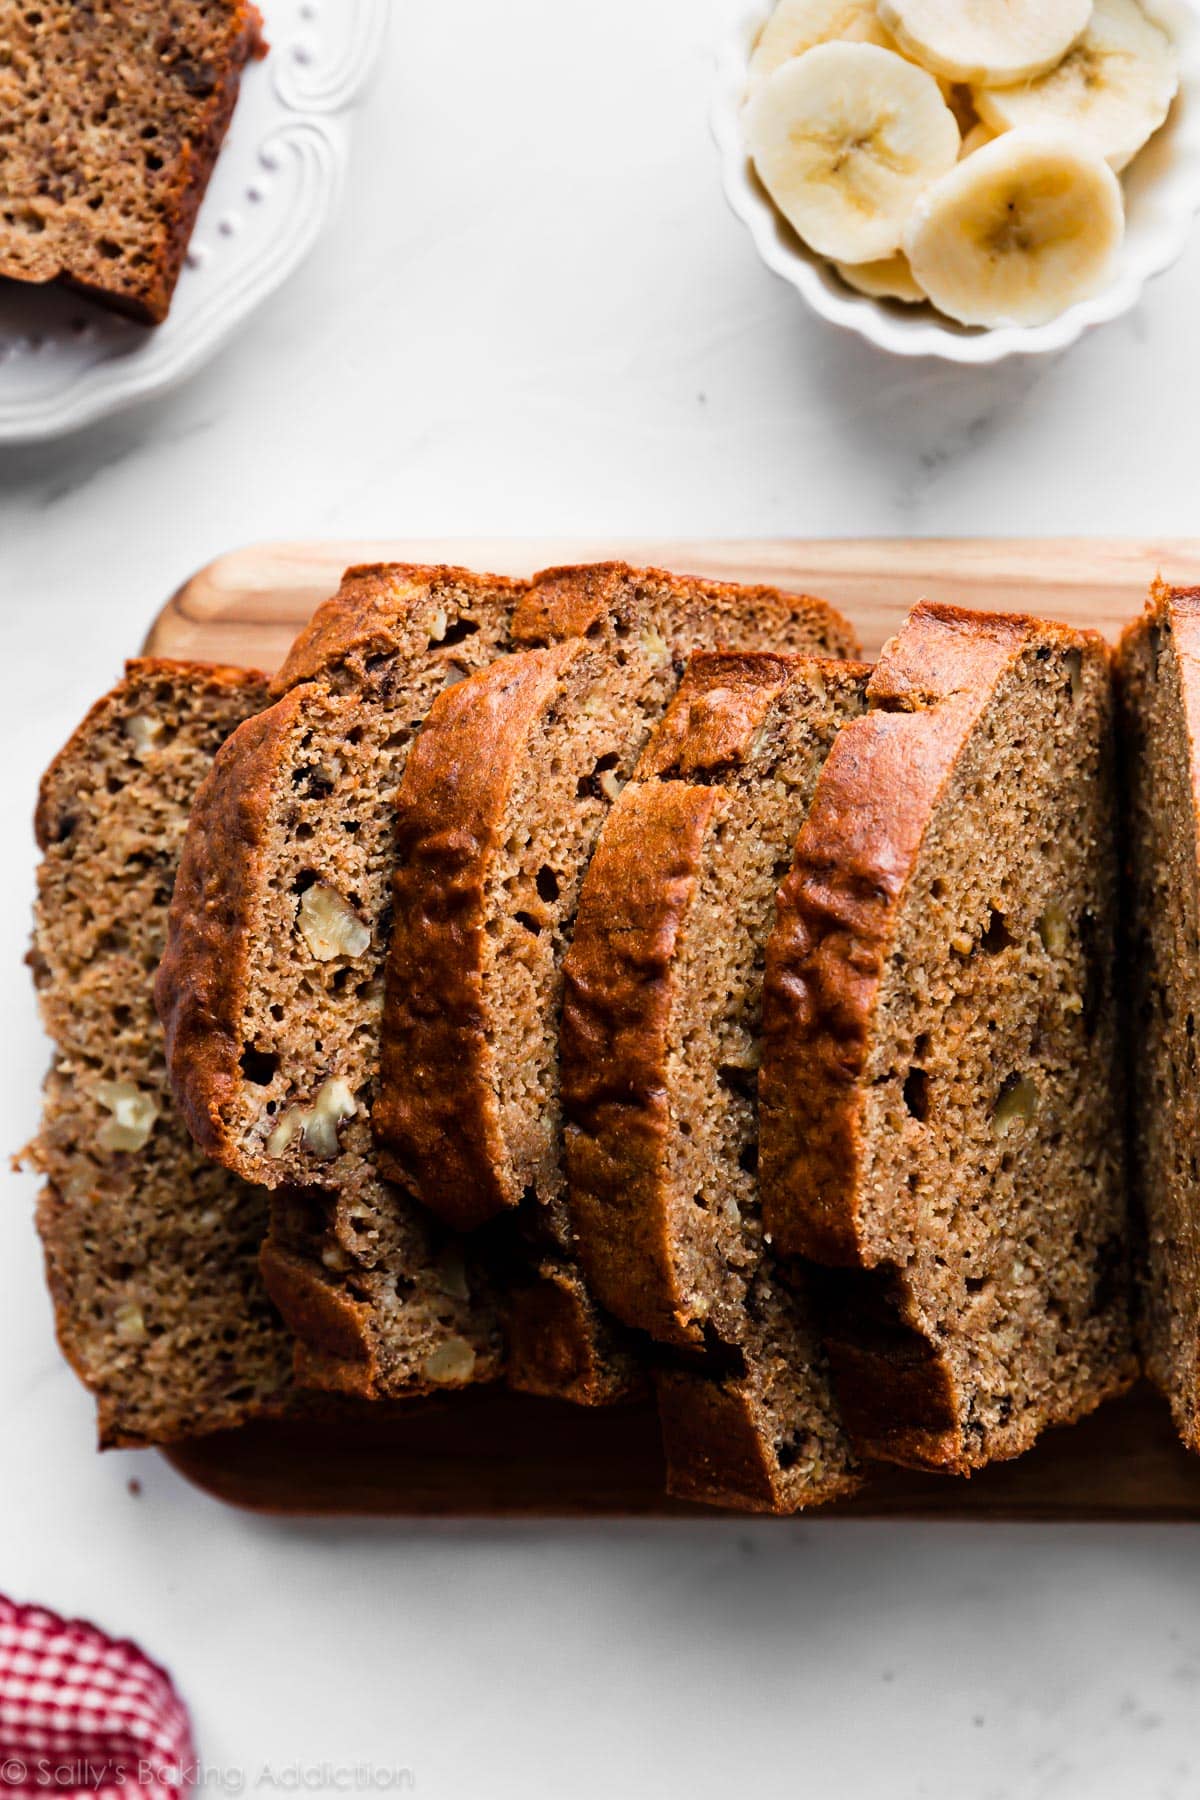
[(940, 1095), (151, 1251), (1159, 665), (661, 1043), (503, 800), (113, 122), (271, 988)]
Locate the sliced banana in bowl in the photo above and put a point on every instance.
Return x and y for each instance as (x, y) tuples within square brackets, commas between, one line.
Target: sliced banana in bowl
[(986, 41), (889, 279), (799, 25), (1114, 88), (1017, 233), (845, 139)]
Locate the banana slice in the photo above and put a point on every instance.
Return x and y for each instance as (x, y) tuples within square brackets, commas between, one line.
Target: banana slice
[(799, 25), (988, 43), (1114, 89), (1018, 232), (844, 139), (889, 279)]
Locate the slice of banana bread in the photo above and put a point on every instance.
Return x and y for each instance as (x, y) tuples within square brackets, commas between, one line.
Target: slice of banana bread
[(1159, 668), (151, 1251), (941, 1113), (113, 119), (660, 1050), (502, 802), (271, 987)]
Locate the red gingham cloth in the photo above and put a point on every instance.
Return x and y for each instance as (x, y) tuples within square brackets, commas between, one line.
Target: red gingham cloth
[(83, 1714)]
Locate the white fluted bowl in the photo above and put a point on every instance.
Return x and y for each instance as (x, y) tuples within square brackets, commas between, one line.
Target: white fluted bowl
[(1162, 197)]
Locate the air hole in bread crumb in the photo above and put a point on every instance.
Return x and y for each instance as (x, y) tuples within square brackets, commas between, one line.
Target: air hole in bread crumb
[(547, 884), (997, 937), (916, 1094), (259, 1066), (460, 630)]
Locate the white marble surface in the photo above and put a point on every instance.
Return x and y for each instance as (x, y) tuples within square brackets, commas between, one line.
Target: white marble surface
[(534, 315)]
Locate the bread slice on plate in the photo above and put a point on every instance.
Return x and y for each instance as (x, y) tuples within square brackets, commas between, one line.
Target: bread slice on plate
[(941, 1108), (151, 1251), (503, 800), (271, 988), (1159, 666), (113, 122), (660, 1051)]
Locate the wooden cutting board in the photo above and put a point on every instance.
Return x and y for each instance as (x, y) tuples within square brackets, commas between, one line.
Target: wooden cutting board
[(495, 1455)]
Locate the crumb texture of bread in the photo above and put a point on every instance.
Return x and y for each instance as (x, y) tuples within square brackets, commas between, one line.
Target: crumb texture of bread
[(271, 988), (1159, 667), (941, 1097), (151, 1251), (112, 114), (661, 1043)]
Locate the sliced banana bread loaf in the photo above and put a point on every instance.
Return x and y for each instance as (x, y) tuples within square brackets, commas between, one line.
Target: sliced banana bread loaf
[(271, 988), (1159, 667), (660, 1050), (113, 118), (151, 1251), (940, 1095)]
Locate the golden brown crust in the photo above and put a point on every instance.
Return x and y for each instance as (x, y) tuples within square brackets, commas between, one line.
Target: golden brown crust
[(332, 1329), (201, 985), (722, 701), (616, 1011), (561, 1348), (837, 910), (570, 601), (436, 1110), (366, 618)]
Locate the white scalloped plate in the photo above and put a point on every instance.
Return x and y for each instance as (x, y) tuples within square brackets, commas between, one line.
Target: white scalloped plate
[(1162, 193), (65, 362)]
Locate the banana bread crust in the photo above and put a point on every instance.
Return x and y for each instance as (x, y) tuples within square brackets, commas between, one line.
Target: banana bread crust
[(570, 601), (365, 618), (727, 1462), (201, 984), (616, 1007)]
